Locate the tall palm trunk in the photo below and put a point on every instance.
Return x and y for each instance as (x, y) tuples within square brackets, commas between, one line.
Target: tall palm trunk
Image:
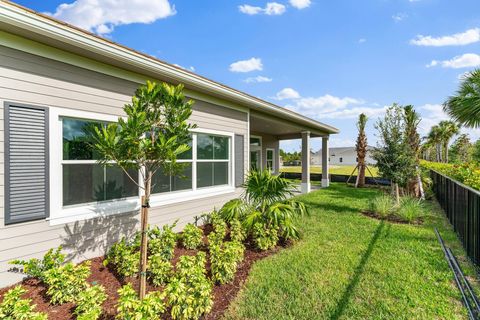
[(361, 148)]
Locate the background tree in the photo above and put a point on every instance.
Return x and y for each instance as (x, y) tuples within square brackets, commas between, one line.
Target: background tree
[(434, 138), (361, 149), (461, 150), (476, 151), (447, 129), (393, 156), (464, 105), (412, 120), (151, 138)]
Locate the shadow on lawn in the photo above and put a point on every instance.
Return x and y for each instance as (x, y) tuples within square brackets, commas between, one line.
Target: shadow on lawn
[(343, 303)]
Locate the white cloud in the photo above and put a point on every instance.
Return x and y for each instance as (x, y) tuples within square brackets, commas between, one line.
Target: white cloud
[(324, 104), (258, 79), (103, 16), (362, 40), (249, 65), (250, 10), (399, 17), (457, 39), (271, 9), (287, 93), (464, 61), (300, 4)]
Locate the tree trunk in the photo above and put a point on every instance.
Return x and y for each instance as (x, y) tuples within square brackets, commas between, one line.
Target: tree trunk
[(144, 239), (397, 193), (361, 176), (445, 150)]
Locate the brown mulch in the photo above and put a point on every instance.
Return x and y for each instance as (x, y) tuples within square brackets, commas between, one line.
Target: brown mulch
[(391, 218), (223, 295)]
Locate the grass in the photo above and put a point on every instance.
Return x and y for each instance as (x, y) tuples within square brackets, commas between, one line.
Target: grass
[(346, 170), (348, 266)]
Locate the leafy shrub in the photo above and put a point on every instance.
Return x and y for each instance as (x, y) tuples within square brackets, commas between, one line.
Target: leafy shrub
[(124, 257), (89, 303), (189, 293), (410, 209), (466, 173), (234, 209), (237, 232), (13, 307), (265, 237), (381, 205), (36, 268), (159, 269), (130, 307), (224, 259), (192, 236), (163, 241), (219, 229), (66, 282)]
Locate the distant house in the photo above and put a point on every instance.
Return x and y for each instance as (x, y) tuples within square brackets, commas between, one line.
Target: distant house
[(340, 156)]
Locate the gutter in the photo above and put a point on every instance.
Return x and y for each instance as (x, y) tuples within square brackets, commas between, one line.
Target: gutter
[(23, 18)]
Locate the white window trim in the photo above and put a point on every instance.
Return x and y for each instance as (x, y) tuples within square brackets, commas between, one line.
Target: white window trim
[(273, 158), (61, 215)]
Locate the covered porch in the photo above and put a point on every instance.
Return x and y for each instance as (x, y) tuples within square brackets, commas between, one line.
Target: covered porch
[(266, 132)]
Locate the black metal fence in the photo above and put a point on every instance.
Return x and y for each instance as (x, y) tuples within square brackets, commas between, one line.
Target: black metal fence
[(462, 207), (336, 178)]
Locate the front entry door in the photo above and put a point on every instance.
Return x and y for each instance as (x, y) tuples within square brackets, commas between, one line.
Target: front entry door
[(255, 160)]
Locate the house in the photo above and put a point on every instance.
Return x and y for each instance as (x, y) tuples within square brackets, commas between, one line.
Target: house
[(340, 156), (55, 79)]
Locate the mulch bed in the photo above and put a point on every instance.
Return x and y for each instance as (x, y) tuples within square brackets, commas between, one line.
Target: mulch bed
[(222, 294), (391, 218)]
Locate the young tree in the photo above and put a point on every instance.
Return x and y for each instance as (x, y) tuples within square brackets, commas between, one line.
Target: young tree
[(435, 139), (393, 156), (412, 120), (447, 129), (154, 133), (461, 150), (361, 148)]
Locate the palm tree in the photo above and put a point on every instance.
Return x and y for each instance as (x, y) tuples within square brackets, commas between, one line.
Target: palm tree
[(361, 148), (464, 106), (435, 139), (412, 120), (447, 129)]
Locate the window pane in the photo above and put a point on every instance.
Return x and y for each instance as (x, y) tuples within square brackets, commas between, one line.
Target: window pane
[(220, 151), (82, 183), (255, 142), (204, 174), (118, 185), (183, 181), (269, 164), (220, 172), (204, 146), (77, 140), (269, 154), (188, 154), (160, 182)]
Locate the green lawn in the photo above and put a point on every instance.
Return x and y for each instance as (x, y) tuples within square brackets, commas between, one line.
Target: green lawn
[(348, 266), (347, 170)]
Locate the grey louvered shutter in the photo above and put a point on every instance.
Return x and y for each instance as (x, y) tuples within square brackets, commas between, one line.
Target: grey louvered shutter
[(239, 160), (26, 163)]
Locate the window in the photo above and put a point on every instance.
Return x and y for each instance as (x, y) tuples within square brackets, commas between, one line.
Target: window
[(213, 159), (85, 181), (270, 160), (255, 141), (341, 159)]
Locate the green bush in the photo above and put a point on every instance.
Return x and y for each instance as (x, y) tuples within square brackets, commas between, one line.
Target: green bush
[(192, 236), (124, 258), (224, 259), (130, 307), (410, 209), (265, 237), (189, 293), (159, 269), (237, 232), (36, 268), (234, 209), (13, 307), (163, 241), (89, 303), (66, 282), (381, 205), (466, 173), (219, 230)]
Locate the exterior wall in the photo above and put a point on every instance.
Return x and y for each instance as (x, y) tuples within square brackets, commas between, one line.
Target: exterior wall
[(269, 142), (30, 79), (348, 158)]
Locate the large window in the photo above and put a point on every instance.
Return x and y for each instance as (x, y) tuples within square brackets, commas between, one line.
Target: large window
[(84, 180), (213, 159), (271, 160)]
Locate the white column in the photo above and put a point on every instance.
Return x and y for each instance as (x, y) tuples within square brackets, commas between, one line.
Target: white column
[(305, 162), (325, 163)]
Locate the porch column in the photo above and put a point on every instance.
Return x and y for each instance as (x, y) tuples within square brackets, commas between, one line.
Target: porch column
[(305, 162), (325, 156)]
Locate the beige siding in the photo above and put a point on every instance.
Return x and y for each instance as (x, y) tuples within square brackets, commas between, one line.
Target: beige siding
[(29, 79)]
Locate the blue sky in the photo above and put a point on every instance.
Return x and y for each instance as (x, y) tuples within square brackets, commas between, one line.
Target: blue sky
[(328, 60)]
